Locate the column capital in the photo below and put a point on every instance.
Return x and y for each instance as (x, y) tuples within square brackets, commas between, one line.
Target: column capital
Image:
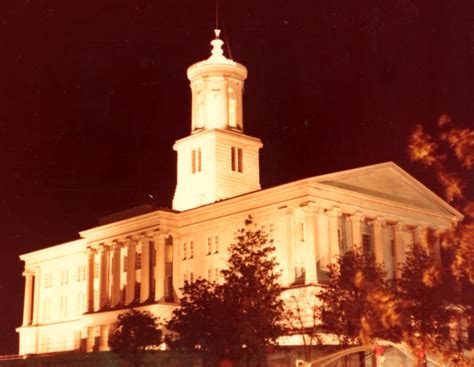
[(377, 222), (312, 209), (334, 212), (103, 248), (356, 217), (398, 226), (28, 272), (116, 245), (131, 242), (91, 251)]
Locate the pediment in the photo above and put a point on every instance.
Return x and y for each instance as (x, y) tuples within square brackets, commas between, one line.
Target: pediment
[(389, 182)]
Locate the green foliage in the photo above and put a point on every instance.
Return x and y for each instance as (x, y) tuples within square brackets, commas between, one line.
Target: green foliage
[(358, 304), (136, 331), (240, 317)]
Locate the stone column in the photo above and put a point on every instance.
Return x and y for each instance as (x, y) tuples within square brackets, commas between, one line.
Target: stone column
[(145, 271), (28, 300), (417, 233), (116, 272), (356, 228), (322, 237), (131, 261), (36, 296), (399, 248), (377, 230), (90, 279), (310, 253), (333, 216), (159, 243), (103, 263)]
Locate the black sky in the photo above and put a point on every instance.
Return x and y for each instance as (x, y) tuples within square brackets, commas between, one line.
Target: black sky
[(93, 95)]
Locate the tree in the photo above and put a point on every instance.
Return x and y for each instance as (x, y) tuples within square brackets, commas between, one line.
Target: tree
[(358, 304), (427, 294), (136, 331), (239, 318), (449, 154)]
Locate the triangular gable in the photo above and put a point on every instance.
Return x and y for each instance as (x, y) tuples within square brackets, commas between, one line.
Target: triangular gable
[(388, 181)]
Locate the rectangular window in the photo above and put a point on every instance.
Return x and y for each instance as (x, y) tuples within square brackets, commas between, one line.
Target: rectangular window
[(191, 249), (185, 251), (191, 277), (217, 274), (96, 270), (209, 275), (125, 263), (138, 261), (366, 243), (196, 160), (236, 159), (153, 254), (209, 245), (216, 244)]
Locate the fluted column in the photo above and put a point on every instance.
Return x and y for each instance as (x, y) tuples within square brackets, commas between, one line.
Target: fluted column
[(28, 300), (356, 229), (90, 279), (322, 237), (36, 296), (131, 261), (103, 294), (377, 230), (116, 272), (310, 253), (399, 250), (333, 217), (160, 267), (145, 271)]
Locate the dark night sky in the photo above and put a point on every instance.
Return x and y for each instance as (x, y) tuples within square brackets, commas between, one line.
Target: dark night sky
[(94, 93)]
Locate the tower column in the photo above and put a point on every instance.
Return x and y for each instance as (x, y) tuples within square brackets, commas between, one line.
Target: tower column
[(356, 227), (28, 300), (116, 272), (333, 216), (377, 230), (90, 279), (145, 271), (131, 264)]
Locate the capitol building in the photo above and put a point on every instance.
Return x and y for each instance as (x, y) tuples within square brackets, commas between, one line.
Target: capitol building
[(141, 258)]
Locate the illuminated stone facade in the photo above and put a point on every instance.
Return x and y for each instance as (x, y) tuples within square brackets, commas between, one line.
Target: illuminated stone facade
[(74, 291)]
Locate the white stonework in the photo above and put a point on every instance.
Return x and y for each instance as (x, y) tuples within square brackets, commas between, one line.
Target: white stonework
[(74, 291)]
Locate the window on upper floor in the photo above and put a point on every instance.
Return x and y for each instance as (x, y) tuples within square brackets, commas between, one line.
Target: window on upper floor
[(196, 160), (191, 249), (302, 231), (185, 250), (366, 243), (48, 280), (138, 261), (209, 245), (236, 159), (216, 244), (125, 263), (96, 270)]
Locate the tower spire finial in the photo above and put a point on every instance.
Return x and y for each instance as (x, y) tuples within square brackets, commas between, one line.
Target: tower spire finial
[(217, 15)]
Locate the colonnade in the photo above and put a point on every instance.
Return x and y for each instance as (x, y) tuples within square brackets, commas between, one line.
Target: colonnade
[(324, 229), (110, 281)]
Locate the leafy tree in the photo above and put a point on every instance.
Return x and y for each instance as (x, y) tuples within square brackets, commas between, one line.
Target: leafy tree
[(239, 318), (426, 292), (358, 304), (136, 331)]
